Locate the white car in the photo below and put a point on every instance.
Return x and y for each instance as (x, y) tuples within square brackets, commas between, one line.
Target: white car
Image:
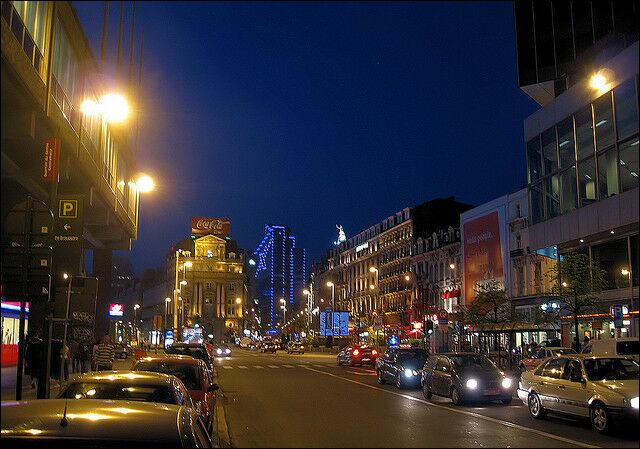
[(625, 346), (601, 388)]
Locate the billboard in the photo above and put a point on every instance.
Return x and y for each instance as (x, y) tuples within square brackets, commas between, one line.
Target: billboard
[(334, 324), (216, 226), (116, 310), (482, 253)]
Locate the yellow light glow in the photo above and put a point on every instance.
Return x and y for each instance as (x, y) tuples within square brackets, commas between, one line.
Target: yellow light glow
[(452, 266), (330, 284), (34, 431), (564, 284), (167, 299), (305, 291), (625, 272), (91, 392), (371, 286), (188, 264), (90, 107), (89, 416), (598, 81), (114, 108), (145, 184), (238, 300), (373, 269), (183, 282), (407, 277)]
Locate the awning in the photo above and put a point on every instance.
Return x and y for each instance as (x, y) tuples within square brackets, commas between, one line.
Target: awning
[(451, 294), (516, 327)]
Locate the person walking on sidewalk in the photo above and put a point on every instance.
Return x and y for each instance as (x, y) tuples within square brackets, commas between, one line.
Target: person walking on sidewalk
[(74, 352), (104, 355)]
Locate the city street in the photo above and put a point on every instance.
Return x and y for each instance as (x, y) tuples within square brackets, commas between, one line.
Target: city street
[(306, 400)]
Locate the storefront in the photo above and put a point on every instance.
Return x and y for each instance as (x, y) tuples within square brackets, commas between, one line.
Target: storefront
[(10, 331), (598, 326)]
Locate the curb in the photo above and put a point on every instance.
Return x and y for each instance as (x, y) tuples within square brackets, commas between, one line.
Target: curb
[(221, 437)]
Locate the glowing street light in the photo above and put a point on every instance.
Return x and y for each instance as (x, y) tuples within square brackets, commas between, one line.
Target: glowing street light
[(188, 264), (112, 107), (598, 81), (145, 184)]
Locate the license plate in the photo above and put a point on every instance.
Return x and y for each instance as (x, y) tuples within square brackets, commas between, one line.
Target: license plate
[(366, 360), (491, 392)]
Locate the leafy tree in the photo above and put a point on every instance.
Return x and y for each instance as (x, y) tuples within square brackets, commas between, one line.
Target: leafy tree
[(488, 307), (576, 283)]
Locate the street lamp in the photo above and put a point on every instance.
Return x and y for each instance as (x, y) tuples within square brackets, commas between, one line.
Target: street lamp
[(377, 284), (333, 293), (627, 273), (135, 321), (167, 300)]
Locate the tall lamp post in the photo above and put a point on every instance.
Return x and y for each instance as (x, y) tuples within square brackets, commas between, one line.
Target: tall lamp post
[(135, 322), (627, 273), (377, 287), (167, 300), (333, 294), (284, 312), (307, 309)]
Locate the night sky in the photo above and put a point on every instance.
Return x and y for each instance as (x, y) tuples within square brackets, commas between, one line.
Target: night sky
[(317, 114)]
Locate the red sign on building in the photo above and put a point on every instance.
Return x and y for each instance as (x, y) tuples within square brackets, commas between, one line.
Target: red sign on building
[(51, 160), (216, 226)]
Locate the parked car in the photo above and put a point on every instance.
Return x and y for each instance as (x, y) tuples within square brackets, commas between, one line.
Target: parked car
[(402, 366), (625, 346), (465, 376), (222, 350), (129, 386), (121, 351), (194, 375), (195, 350), (269, 346), (543, 354), (295, 346), (357, 355), (101, 423), (601, 388)]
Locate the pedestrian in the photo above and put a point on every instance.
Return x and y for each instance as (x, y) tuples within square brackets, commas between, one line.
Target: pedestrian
[(64, 355), (84, 357), (586, 340), (94, 351), (74, 352), (104, 355), (33, 356)]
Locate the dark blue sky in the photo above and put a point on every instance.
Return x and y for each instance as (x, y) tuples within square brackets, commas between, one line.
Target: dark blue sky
[(317, 114)]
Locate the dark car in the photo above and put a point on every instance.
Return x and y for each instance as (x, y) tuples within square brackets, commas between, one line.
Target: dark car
[(269, 346), (195, 350), (465, 376), (357, 355), (403, 366)]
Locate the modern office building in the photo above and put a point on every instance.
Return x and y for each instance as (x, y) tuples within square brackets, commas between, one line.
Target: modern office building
[(579, 61), (54, 153), (280, 275)]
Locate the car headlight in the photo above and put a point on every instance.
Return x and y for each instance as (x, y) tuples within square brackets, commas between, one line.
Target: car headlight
[(472, 384), (634, 402), (506, 383), (218, 351), (228, 351), (408, 372)]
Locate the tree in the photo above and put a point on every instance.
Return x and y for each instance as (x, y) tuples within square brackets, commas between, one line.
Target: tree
[(576, 283)]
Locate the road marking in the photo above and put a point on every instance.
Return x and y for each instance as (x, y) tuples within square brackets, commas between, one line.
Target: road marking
[(272, 366), (288, 366), (258, 366), (242, 367), (227, 367), (463, 412), (319, 366), (302, 366)]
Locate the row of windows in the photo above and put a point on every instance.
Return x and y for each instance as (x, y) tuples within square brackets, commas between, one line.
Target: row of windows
[(586, 157)]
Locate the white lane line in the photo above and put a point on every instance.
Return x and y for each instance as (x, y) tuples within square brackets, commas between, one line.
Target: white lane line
[(288, 366), (272, 366), (242, 367), (302, 366), (227, 367), (258, 366), (320, 366), (463, 412)]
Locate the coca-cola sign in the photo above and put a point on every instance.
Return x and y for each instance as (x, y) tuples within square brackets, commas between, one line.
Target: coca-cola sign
[(216, 226)]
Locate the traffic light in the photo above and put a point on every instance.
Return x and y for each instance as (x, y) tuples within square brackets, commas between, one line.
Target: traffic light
[(429, 326)]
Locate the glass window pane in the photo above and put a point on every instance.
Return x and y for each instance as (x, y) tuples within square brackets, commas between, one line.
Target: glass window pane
[(584, 132), (566, 144), (608, 173), (569, 190), (534, 159), (552, 195), (635, 260), (612, 257), (603, 114), (629, 164), (626, 109), (536, 203), (549, 151), (587, 181)]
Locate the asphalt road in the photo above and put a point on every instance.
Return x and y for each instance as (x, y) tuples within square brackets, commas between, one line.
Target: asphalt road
[(306, 400)]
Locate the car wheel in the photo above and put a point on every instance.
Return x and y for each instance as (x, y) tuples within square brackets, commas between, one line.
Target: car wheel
[(456, 397), (399, 383), (426, 392), (600, 418), (507, 401), (535, 407), (381, 380)]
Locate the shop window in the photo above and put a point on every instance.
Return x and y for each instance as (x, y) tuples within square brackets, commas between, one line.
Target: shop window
[(584, 132), (603, 118), (587, 182), (626, 109), (613, 257), (608, 173), (566, 144), (629, 164), (569, 190)]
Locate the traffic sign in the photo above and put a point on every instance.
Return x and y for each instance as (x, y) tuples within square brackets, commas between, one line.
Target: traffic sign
[(443, 316)]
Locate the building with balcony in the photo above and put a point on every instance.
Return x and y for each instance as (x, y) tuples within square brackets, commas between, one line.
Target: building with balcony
[(48, 70)]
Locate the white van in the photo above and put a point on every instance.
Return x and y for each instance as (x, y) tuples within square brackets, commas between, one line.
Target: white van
[(625, 346)]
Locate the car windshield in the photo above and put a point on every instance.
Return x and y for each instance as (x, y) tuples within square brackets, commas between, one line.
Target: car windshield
[(611, 369), (188, 374), (119, 391), (196, 353), (475, 361), (417, 357), (562, 351)]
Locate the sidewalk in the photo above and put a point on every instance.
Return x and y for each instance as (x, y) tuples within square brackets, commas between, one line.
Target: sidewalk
[(9, 385)]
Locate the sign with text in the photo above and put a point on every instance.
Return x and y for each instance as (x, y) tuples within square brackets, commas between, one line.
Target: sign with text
[(216, 226), (51, 160)]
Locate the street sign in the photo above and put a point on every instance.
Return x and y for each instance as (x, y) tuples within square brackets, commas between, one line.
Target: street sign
[(443, 316), (69, 222), (51, 160)]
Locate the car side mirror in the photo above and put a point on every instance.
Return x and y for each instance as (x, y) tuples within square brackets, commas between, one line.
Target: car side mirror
[(214, 387)]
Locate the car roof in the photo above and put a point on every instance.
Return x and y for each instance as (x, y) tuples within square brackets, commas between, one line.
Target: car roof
[(98, 419), (130, 377), (175, 360)]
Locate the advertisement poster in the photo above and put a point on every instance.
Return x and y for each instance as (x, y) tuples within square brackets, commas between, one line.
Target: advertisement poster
[(215, 226), (334, 324), (482, 253)]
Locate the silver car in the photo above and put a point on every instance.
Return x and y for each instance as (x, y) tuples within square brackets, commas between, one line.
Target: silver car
[(601, 388)]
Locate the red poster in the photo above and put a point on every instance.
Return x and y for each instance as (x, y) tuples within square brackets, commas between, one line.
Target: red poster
[(51, 160), (216, 226), (482, 253)]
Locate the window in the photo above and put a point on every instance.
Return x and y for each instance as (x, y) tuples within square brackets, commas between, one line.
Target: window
[(584, 132), (552, 195), (608, 173), (34, 17), (536, 203), (554, 368), (603, 117), (626, 109), (566, 143), (612, 257), (65, 71), (549, 151), (569, 190), (629, 164), (587, 182), (534, 159)]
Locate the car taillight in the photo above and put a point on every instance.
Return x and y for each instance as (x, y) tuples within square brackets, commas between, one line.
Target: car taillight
[(374, 352), (356, 352)]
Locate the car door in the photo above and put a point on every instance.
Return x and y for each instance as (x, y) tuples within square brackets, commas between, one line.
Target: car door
[(572, 393), (442, 376), (546, 384), (387, 367)]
